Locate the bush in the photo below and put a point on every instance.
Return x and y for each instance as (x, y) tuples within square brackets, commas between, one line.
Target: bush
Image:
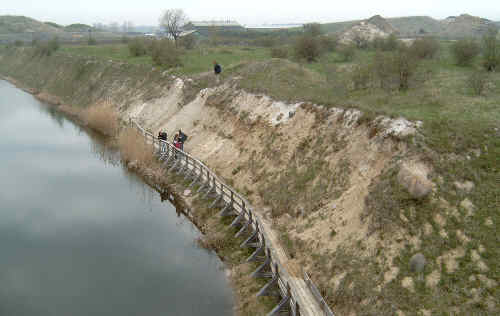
[(312, 29), (124, 39), (360, 41), (390, 43), (491, 51), (477, 82), (18, 43), (328, 43), (92, 41), (279, 52), (395, 70), (347, 52), (425, 47), (188, 41), (267, 41), (137, 47), (47, 48), (165, 53), (361, 76), (308, 48), (464, 51)]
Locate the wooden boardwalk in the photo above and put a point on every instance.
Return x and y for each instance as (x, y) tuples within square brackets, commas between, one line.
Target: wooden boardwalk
[(299, 295)]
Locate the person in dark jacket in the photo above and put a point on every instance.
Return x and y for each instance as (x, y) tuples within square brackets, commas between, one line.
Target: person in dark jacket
[(217, 70), (162, 136), (182, 139)]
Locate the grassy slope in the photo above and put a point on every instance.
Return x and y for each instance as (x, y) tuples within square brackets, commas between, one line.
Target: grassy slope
[(455, 123), (194, 61), (408, 26), (20, 24)]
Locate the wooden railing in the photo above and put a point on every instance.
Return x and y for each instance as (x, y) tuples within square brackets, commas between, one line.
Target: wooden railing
[(232, 203)]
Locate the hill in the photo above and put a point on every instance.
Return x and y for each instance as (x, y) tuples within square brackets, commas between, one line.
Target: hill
[(78, 27), (367, 30), (22, 24), (415, 25), (464, 25)]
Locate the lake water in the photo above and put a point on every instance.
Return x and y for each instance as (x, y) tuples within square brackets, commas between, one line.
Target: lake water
[(79, 235)]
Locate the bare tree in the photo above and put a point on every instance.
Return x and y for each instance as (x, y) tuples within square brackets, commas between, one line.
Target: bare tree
[(172, 21)]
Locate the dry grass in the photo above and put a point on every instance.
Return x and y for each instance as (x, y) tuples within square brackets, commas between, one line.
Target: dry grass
[(133, 148), (102, 117)]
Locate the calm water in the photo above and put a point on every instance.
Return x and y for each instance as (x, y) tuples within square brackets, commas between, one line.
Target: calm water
[(81, 236)]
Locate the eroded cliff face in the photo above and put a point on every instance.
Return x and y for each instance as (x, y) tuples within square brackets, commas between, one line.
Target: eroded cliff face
[(351, 199), (305, 168)]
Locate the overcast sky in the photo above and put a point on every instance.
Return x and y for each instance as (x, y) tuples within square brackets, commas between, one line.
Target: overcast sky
[(146, 12)]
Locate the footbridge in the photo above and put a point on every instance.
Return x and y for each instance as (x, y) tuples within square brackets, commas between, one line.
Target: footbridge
[(298, 294)]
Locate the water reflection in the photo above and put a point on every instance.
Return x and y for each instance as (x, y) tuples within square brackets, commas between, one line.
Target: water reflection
[(81, 236)]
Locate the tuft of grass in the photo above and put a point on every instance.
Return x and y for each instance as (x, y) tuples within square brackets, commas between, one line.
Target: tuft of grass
[(102, 117), (133, 148)]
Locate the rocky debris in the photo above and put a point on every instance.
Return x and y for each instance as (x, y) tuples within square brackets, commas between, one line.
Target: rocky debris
[(407, 283), (433, 279), (488, 222), (417, 263), (398, 128), (466, 186), (468, 206), (413, 177)]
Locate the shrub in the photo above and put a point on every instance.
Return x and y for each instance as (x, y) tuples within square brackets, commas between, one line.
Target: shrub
[(188, 41), (390, 43), (92, 41), (464, 51), (308, 48), (425, 47), (328, 43), (124, 39), (477, 82), (137, 47), (360, 41), (18, 43), (395, 70), (347, 52), (47, 48), (405, 65), (491, 51), (165, 53), (279, 52), (361, 76), (312, 29), (267, 41)]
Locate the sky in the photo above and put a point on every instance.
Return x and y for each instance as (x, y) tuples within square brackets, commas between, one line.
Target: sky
[(147, 12)]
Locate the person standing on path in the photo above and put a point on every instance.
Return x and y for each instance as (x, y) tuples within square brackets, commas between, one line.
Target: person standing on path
[(217, 71)]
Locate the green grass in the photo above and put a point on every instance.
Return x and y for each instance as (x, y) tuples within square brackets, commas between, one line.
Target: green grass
[(194, 61)]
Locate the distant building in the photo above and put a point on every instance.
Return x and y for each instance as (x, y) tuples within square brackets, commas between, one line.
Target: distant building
[(205, 27)]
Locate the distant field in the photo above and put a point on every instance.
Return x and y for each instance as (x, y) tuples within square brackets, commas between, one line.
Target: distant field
[(194, 61)]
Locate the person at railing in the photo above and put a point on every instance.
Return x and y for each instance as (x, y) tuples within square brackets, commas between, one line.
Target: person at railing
[(182, 139), (177, 143), (163, 145)]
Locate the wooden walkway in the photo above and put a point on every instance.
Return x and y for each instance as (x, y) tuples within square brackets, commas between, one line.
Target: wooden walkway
[(299, 295)]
